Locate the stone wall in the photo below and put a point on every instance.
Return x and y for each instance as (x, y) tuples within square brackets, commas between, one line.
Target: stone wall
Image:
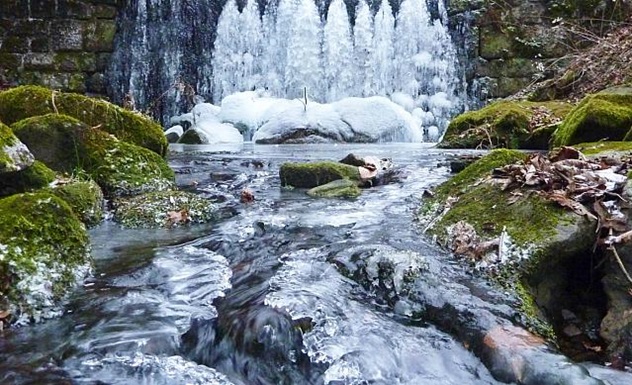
[(508, 44), (62, 44)]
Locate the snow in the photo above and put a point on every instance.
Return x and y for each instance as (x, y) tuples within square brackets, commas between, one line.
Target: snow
[(274, 120), (213, 131)]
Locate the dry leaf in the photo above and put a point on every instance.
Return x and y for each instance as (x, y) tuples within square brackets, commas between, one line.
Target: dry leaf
[(246, 196)]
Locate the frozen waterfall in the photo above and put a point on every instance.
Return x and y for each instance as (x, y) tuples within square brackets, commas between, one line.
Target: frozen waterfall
[(168, 50), (407, 56)]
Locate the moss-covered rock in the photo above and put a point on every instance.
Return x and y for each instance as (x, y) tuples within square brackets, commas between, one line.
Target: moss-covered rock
[(538, 236), (84, 197), (35, 177), (164, 209), (43, 251), (68, 145), (603, 116), (14, 155), (123, 169), (54, 139), (507, 124), (27, 101), (190, 136), (309, 175), (340, 188)]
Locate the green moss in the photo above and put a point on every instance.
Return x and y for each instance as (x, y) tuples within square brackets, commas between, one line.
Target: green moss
[(122, 168), (531, 315), (28, 101), (485, 207), (41, 240), (154, 209), (84, 197), (508, 124), (341, 188), (35, 177), (603, 116), (310, 175), (54, 139), (461, 182)]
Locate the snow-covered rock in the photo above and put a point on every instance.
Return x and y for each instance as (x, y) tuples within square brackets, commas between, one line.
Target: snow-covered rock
[(268, 120)]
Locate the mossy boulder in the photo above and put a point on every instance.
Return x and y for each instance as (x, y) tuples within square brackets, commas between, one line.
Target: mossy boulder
[(340, 188), (538, 236), (606, 115), (14, 155), (68, 145), (35, 177), (54, 139), (164, 209), (309, 175), (27, 101), (507, 124), (191, 136), (84, 197), (43, 251), (124, 169)]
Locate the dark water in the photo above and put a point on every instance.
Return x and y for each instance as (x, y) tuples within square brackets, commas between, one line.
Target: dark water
[(258, 297)]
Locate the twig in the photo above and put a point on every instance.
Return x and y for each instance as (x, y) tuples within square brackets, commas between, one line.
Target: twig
[(52, 99), (620, 262)]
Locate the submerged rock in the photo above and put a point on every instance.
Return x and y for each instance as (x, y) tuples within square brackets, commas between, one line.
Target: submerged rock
[(14, 155), (164, 209), (43, 252), (344, 188), (507, 124), (27, 101)]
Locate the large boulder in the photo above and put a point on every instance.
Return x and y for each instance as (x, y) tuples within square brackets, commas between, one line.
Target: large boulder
[(14, 155), (43, 252), (606, 115), (506, 124), (68, 145), (27, 101), (523, 241)]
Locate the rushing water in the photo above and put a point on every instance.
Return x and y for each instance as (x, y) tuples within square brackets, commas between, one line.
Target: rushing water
[(258, 297)]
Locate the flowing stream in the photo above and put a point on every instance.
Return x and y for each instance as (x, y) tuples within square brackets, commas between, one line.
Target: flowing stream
[(259, 296)]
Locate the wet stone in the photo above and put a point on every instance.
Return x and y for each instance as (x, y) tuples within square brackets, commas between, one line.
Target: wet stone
[(67, 35), (44, 9), (73, 9)]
